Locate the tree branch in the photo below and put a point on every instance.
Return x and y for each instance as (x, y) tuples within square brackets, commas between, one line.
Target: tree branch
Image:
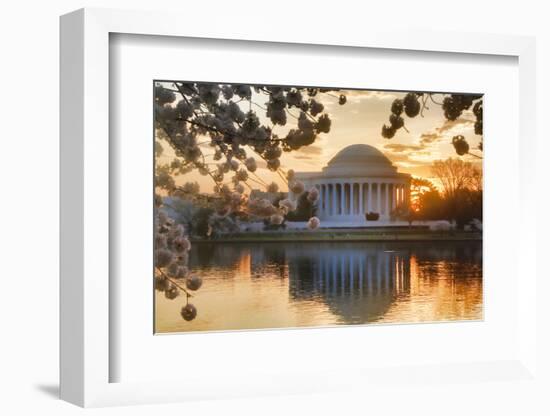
[(174, 282), (474, 155)]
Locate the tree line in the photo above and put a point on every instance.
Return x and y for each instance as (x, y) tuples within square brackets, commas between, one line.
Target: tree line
[(458, 199)]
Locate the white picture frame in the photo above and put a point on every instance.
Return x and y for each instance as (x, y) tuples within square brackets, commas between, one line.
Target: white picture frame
[(85, 212)]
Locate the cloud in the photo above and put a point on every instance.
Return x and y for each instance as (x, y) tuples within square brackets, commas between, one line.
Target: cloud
[(410, 164), (413, 152), (408, 159), (447, 129), (400, 148), (460, 123), (429, 138), (399, 157), (356, 96), (311, 150), (411, 157)]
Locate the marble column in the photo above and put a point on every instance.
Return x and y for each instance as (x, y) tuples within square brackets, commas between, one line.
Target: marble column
[(348, 199), (321, 203), (342, 200), (335, 200), (351, 201), (386, 199), (330, 197), (369, 197), (361, 210), (381, 197), (321, 199), (333, 207), (380, 200), (377, 206), (391, 197), (325, 199)]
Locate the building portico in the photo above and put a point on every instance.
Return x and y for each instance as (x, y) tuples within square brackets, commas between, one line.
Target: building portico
[(358, 180)]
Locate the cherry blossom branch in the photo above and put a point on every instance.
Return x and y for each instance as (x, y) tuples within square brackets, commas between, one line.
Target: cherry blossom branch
[(189, 295), (255, 181), (259, 178), (291, 114), (175, 147), (435, 102), (185, 98), (424, 100)]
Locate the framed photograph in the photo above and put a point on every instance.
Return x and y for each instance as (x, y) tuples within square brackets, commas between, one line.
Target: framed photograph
[(301, 207), (296, 202)]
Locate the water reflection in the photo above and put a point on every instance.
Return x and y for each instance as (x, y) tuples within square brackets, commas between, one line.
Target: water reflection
[(357, 283), (272, 285)]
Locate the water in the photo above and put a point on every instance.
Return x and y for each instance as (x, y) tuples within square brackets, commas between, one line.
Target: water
[(278, 285)]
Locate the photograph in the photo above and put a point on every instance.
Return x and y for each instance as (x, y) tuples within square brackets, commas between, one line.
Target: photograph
[(285, 206), (245, 208)]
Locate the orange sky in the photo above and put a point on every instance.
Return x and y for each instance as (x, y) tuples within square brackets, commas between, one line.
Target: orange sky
[(360, 121)]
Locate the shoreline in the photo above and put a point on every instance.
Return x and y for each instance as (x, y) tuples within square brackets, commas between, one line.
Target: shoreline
[(344, 236)]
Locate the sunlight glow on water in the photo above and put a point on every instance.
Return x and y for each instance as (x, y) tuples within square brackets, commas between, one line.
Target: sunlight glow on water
[(277, 285)]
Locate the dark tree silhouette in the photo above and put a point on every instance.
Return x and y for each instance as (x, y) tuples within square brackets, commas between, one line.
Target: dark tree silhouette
[(453, 105), (222, 130)]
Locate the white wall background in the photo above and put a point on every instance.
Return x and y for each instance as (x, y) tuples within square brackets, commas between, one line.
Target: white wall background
[(29, 208)]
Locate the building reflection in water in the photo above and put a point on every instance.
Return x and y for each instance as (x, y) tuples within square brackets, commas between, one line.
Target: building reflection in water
[(357, 282), (277, 285)]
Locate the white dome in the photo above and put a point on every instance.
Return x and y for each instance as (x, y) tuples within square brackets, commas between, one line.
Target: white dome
[(359, 160)]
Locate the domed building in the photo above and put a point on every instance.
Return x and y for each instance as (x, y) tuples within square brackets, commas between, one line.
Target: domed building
[(358, 180)]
